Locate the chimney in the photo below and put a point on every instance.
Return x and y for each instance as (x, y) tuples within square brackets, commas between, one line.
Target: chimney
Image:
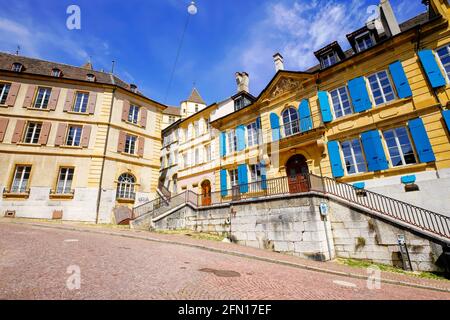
[(279, 62), (388, 19), (242, 80)]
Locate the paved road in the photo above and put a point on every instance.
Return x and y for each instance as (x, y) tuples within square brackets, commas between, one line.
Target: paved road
[(34, 262)]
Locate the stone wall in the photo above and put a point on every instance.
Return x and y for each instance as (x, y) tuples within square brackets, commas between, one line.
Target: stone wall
[(293, 225)]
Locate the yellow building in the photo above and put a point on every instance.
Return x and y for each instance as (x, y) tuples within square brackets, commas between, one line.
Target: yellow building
[(75, 143), (374, 116)]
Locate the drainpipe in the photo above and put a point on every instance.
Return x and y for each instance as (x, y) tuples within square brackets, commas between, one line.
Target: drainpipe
[(100, 187)]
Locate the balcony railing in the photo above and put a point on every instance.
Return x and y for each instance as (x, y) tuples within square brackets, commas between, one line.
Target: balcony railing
[(296, 127)]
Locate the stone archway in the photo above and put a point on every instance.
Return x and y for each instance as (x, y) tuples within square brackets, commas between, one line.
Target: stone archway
[(297, 172)]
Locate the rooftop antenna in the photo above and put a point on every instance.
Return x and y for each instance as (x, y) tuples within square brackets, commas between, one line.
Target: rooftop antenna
[(18, 50), (192, 11), (112, 66)]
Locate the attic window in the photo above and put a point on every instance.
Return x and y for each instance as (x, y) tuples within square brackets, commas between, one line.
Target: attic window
[(56, 73), (90, 77), (329, 58), (364, 41), (17, 67), (133, 88)]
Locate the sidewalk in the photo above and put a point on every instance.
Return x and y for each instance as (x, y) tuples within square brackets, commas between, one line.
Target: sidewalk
[(241, 251)]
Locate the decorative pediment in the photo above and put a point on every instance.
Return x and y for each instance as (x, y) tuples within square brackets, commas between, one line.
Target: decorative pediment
[(284, 85)]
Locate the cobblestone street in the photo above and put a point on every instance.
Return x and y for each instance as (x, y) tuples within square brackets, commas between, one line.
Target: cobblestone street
[(34, 261)]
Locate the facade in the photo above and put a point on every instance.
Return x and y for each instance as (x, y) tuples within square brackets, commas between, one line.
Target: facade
[(374, 116), (168, 176), (75, 143), (170, 116)]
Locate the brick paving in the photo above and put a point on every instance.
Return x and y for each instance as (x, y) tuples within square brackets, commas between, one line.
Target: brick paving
[(34, 259)]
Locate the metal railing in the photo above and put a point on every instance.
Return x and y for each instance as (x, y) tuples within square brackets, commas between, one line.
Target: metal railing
[(424, 219), (163, 189), (299, 126)]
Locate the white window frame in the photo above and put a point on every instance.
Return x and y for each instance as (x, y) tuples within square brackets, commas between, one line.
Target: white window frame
[(77, 132), (326, 58), (330, 99), (381, 88), (43, 105), (126, 187), (197, 156), (131, 141), (185, 160), (63, 176), (252, 134), (84, 97), (208, 153), (22, 184), (35, 134), (254, 169), (196, 129), (353, 157), (231, 141), (133, 114), (435, 52), (4, 92), (233, 177), (399, 148), (363, 35)]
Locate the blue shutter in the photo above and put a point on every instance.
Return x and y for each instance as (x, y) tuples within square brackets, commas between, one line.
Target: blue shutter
[(358, 93), (400, 80), (223, 144), (259, 127), (335, 159), (243, 178), (223, 183), (240, 135), (275, 125), (325, 107), (446, 115), (431, 68), (373, 149), (258, 123), (262, 166), (421, 141), (305, 116)]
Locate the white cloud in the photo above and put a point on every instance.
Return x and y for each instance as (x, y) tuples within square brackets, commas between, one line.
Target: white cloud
[(296, 30)]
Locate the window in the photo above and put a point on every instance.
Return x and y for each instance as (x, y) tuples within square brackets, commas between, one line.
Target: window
[(133, 114), (328, 59), (252, 134), (290, 121), (232, 141), (169, 160), (171, 119), (234, 177), (196, 129), (56, 73), (90, 77), (208, 125), (196, 108), (74, 136), (33, 132), (399, 146), (208, 153), (341, 102), (81, 102), (4, 90), (42, 98), (125, 187), (185, 160), (17, 67), (364, 42), (380, 84), (444, 56), (130, 144), (21, 178), (65, 179), (255, 172), (353, 156), (197, 156)]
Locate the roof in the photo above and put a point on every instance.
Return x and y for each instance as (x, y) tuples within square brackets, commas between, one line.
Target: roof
[(40, 67), (173, 111), (195, 97)]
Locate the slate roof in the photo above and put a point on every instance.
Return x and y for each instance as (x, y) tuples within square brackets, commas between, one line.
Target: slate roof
[(173, 111), (195, 97)]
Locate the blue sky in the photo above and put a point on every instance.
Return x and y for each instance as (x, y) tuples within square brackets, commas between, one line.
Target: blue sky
[(226, 36)]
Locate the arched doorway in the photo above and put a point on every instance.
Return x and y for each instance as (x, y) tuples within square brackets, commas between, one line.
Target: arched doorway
[(206, 193), (297, 173)]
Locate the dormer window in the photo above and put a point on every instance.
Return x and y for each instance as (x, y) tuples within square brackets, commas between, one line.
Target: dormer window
[(56, 73), (17, 67), (328, 59), (90, 77), (364, 42)]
